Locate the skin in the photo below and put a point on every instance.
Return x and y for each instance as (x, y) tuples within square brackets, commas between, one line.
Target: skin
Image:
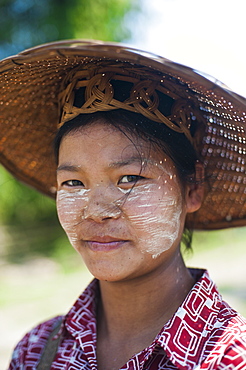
[(128, 233)]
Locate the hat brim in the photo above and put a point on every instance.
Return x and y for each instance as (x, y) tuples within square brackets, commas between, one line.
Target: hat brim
[(31, 81)]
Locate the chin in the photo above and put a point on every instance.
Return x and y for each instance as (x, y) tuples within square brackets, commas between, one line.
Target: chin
[(113, 278)]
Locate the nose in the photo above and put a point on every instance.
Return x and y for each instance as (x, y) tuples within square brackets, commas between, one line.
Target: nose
[(100, 207)]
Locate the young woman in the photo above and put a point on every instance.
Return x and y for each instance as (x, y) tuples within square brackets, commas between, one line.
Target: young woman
[(144, 151)]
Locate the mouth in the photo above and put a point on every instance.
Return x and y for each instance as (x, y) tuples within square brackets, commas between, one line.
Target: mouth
[(104, 244)]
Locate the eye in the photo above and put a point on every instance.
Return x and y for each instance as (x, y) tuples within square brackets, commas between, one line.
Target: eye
[(130, 179), (73, 183)]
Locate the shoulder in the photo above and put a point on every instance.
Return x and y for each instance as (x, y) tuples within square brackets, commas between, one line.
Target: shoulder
[(234, 338), (235, 354), (231, 351), (226, 347), (30, 347)]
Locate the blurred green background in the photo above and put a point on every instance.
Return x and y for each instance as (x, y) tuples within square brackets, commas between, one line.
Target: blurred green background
[(28, 220), (38, 266)]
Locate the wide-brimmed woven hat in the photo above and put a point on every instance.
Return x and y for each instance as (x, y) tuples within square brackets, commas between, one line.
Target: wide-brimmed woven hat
[(37, 97)]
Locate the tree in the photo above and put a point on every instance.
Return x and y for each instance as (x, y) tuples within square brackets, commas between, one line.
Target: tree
[(25, 23)]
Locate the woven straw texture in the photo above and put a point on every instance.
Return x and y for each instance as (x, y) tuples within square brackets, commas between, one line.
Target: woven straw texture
[(31, 85)]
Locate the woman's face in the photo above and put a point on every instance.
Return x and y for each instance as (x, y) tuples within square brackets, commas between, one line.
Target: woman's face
[(119, 201)]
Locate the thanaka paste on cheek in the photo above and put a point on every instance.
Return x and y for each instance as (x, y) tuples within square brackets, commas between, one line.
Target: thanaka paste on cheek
[(157, 224), (69, 206)]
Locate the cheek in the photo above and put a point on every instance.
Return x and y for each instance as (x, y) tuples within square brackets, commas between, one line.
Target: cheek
[(157, 218), (70, 208)]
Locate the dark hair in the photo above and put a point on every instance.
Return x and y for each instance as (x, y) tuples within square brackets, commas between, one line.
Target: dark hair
[(174, 144)]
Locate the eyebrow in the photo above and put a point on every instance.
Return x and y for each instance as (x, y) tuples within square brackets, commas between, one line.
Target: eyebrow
[(68, 167), (126, 162), (121, 163)]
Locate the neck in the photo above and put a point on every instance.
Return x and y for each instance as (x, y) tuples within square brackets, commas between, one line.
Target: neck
[(135, 306)]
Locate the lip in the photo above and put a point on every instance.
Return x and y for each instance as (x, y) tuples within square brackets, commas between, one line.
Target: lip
[(104, 243)]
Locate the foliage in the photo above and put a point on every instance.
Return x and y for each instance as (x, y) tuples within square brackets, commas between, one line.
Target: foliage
[(25, 23), (28, 221)]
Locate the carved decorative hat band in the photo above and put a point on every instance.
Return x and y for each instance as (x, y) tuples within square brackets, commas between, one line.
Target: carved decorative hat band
[(143, 96)]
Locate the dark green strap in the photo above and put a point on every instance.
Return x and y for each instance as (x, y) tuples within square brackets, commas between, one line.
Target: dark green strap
[(50, 348)]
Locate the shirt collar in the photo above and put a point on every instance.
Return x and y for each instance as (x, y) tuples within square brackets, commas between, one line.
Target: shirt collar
[(82, 315), (184, 335)]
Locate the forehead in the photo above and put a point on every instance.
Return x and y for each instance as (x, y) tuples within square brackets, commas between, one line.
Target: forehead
[(105, 140)]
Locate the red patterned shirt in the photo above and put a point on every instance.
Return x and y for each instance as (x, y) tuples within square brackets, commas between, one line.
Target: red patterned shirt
[(204, 333)]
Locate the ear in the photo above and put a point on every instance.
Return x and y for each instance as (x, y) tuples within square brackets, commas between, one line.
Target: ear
[(195, 190)]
